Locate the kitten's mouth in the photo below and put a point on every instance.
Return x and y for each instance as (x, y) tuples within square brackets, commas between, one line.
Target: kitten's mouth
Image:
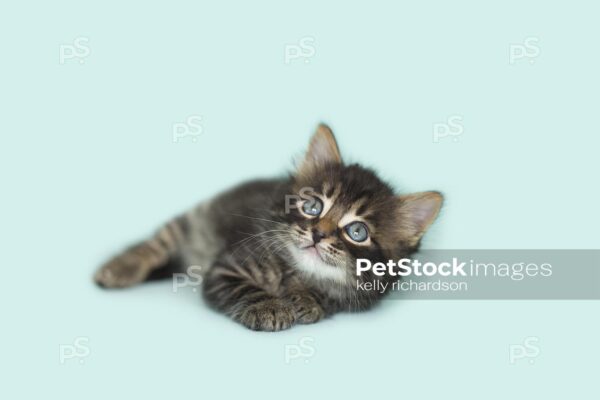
[(313, 251)]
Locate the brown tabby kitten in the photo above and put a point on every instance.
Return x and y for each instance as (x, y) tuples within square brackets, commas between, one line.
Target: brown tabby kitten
[(280, 252)]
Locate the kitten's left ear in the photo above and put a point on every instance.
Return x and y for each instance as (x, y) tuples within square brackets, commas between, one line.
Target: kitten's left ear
[(322, 150), (416, 213)]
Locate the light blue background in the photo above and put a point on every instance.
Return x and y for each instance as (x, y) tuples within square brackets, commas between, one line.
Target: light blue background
[(88, 165)]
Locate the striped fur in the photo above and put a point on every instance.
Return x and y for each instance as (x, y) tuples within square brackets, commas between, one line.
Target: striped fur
[(268, 265)]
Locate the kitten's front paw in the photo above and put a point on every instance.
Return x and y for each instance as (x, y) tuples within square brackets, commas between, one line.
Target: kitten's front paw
[(306, 308), (269, 315), (121, 272)]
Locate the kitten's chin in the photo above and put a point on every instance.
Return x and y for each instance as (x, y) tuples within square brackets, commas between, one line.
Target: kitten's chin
[(309, 261)]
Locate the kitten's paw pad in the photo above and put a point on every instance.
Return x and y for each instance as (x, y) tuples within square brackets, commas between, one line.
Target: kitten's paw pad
[(120, 273), (269, 315), (306, 309)]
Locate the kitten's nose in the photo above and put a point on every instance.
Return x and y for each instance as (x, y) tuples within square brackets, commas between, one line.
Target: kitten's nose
[(317, 235), (322, 229)]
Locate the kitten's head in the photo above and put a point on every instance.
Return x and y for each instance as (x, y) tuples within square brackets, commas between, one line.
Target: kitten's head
[(344, 212)]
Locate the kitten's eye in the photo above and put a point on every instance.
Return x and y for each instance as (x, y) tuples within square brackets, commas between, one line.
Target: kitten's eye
[(313, 207), (357, 231)]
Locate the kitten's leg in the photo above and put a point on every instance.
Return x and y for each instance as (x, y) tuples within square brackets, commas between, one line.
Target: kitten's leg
[(249, 294), (135, 264), (308, 308)]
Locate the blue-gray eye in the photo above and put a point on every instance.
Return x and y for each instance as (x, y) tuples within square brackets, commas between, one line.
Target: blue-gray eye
[(313, 206), (357, 231)]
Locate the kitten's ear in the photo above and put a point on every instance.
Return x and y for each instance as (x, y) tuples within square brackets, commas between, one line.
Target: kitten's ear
[(416, 213), (322, 150)]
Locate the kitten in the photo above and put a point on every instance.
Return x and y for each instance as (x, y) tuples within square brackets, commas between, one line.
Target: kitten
[(281, 252)]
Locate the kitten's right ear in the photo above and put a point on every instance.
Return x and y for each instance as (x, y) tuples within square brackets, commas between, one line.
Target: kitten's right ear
[(322, 150), (416, 212)]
